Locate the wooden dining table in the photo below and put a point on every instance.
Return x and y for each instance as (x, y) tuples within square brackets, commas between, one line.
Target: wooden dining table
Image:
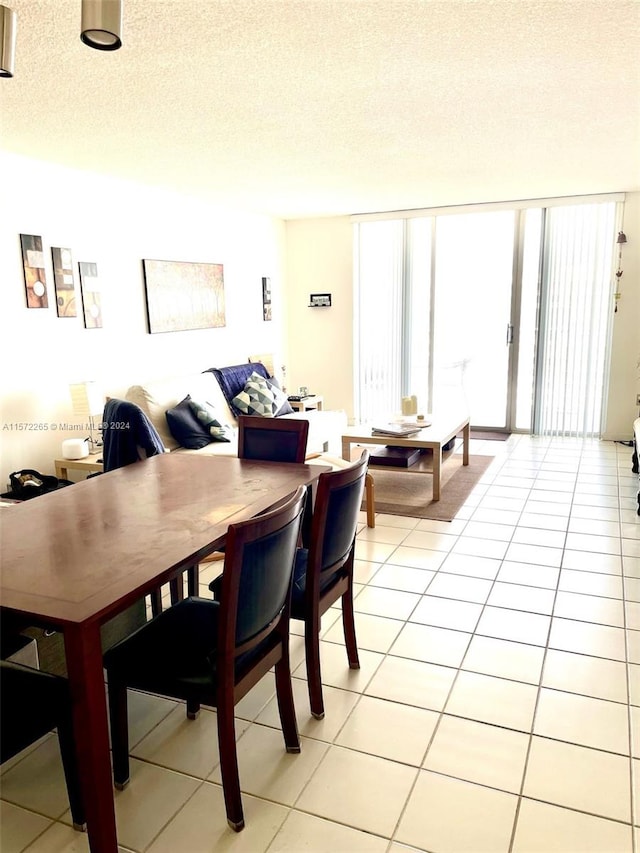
[(74, 558)]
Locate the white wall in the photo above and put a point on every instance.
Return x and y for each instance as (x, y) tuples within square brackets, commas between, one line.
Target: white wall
[(320, 259), (116, 225)]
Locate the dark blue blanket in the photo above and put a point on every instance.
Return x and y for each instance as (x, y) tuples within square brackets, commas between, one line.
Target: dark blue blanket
[(128, 435)]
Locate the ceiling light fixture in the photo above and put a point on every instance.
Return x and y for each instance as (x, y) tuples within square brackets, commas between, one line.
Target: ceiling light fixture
[(102, 24), (7, 41)]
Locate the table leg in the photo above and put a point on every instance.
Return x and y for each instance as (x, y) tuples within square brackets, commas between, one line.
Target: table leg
[(466, 436), (346, 448), (61, 471), (437, 466), (83, 651)]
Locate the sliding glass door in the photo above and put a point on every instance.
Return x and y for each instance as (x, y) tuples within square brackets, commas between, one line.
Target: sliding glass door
[(507, 310), (473, 294)]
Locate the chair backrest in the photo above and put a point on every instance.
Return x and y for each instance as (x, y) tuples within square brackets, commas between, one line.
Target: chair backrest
[(335, 520), (272, 439), (128, 435), (257, 577)]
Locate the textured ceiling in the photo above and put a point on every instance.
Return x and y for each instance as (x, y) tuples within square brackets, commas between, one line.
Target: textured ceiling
[(322, 107)]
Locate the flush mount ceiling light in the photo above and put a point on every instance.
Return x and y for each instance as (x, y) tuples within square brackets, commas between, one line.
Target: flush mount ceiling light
[(102, 24), (7, 41)]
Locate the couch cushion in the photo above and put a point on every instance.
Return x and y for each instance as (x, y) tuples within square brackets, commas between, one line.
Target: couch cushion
[(259, 397), (185, 427)]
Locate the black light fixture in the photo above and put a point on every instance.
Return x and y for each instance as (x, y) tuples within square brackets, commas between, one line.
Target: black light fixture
[(102, 24), (7, 41), (621, 240)]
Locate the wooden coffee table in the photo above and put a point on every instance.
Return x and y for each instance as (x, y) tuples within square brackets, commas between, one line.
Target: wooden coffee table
[(443, 428)]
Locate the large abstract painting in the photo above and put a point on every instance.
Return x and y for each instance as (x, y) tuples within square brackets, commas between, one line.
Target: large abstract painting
[(182, 296)]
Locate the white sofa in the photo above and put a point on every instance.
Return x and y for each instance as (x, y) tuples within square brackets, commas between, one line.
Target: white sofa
[(155, 397)]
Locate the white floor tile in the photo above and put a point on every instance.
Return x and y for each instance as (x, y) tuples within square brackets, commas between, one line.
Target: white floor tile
[(589, 676), (431, 644), (389, 730), (450, 816), (583, 720), (493, 700), (362, 791), (412, 682), (563, 774), (477, 752), (544, 827)]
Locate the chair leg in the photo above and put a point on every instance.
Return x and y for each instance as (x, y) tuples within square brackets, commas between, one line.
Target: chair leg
[(314, 676), (286, 706), (70, 766), (349, 627), (369, 488), (229, 762), (156, 602), (176, 590), (193, 709), (119, 731), (193, 580)]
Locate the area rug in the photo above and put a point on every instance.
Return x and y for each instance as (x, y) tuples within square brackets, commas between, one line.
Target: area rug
[(488, 435), (412, 494)]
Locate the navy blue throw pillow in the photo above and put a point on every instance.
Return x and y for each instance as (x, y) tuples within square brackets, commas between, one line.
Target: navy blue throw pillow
[(186, 428)]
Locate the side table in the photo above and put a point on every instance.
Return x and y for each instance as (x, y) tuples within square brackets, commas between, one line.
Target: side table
[(306, 404), (89, 464)]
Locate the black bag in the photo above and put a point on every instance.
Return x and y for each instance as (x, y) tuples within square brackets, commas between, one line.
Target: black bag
[(28, 484)]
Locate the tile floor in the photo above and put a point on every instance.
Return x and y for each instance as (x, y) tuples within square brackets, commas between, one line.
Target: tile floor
[(497, 707)]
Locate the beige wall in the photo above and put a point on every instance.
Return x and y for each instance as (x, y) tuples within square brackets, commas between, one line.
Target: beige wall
[(624, 378), (320, 259), (320, 340), (116, 224)]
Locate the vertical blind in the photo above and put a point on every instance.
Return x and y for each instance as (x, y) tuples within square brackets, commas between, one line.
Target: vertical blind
[(575, 317)]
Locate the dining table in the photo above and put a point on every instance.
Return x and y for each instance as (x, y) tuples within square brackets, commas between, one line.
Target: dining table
[(72, 559)]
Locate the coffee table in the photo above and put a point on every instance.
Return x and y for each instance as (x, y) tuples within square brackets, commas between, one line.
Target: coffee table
[(443, 428)]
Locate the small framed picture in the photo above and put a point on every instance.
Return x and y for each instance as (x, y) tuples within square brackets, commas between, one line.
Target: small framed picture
[(266, 299), (90, 289), (35, 279), (319, 300)]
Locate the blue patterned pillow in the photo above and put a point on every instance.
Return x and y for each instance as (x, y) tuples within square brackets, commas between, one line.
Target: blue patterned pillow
[(209, 418), (259, 397)]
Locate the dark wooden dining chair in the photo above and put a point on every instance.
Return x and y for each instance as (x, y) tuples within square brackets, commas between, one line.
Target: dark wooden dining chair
[(268, 440), (33, 703), (213, 653), (272, 439), (323, 572)]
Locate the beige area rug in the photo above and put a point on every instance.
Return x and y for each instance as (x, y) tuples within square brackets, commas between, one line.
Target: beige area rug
[(412, 494)]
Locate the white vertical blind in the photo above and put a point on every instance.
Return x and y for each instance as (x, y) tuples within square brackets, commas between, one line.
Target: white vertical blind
[(576, 307), (379, 261)]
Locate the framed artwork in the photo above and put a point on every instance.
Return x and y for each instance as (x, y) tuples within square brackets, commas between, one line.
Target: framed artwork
[(35, 280), (90, 288), (266, 298), (181, 296), (64, 282)]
